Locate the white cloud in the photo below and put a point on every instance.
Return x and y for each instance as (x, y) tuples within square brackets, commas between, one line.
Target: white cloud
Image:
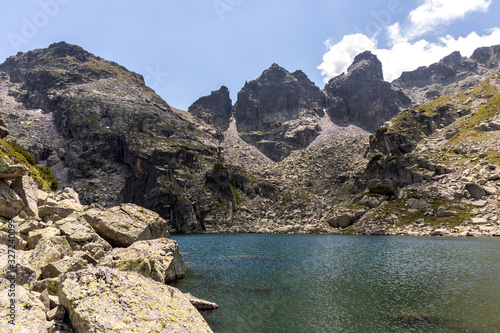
[(340, 55), (433, 13), (406, 51)]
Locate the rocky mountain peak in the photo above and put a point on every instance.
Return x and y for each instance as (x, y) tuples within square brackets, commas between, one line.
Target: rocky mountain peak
[(367, 66), (450, 75), (362, 97), (214, 109), (267, 107)]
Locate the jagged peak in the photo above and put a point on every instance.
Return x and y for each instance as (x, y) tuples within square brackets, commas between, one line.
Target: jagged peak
[(367, 62)]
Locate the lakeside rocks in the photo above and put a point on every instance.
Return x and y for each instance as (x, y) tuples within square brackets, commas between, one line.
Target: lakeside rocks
[(61, 249), (112, 301)]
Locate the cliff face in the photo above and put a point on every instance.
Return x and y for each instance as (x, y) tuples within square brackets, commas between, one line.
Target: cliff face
[(278, 112), (368, 101), (215, 109), (106, 133)]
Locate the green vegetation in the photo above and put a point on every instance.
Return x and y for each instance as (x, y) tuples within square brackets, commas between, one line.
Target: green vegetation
[(20, 156), (382, 130), (430, 107), (30, 159), (236, 195), (289, 197), (407, 217), (382, 190)]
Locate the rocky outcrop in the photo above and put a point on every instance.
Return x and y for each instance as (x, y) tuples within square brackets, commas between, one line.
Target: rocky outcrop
[(278, 112), (105, 133), (452, 74), (369, 101), (215, 109), (432, 171), (104, 299)]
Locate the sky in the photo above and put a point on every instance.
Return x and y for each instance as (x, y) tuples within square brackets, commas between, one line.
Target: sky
[(187, 48)]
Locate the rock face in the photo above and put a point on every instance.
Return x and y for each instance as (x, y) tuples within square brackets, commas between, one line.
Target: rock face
[(107, 300), (452, 74), (105, 133), (278, 112), (215, 109), (369, 100)]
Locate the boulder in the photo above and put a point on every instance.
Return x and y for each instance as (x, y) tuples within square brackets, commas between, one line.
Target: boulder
[(201, 304), (29, 314), (126, 224), (419, 204), (443, 212), (35, 235), (370, 202), (82, 237), (49, 250), (26, 274), (157, 259), (9, 171), (344, 219), (105, 300), (27, 190), (68, 264), (475, 190), (10, 202), (63, 209)]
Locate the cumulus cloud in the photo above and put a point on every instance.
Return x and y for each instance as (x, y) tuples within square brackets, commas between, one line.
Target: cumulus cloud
[(406, 50), (340, 55), (433, 13)]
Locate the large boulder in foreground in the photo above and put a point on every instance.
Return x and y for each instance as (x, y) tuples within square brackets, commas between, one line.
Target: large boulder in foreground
[(106, 300), (126, 224), (157, 259)]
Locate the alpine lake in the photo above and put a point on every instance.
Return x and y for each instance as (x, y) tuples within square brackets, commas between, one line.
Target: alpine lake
[(332, 283)]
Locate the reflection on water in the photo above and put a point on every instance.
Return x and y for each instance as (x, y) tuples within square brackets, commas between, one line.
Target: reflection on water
[(317, 283)]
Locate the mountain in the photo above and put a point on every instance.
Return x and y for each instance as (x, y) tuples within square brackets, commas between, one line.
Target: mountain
[(215, 109), (105, 133), (286, 157), (369, 100), (450, 75)]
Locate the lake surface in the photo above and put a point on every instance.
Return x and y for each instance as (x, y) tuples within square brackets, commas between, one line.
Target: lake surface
[(323, 283)]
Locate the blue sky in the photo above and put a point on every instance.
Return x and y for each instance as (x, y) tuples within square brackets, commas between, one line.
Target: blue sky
[(187, 48)]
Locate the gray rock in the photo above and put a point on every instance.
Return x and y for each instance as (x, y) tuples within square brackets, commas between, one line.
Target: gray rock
[(118, 300), (10, 171), (419, 204), (370, 202), (10, 202), (124, 225), (49, 250), (201, 304), (27, 190), (476, 191), (57, 268), (157, 259), (35, 235), (30, 317), (479, 220), (443, 212)]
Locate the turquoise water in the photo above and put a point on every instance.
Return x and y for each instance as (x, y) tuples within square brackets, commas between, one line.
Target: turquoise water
[(319, 283)]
